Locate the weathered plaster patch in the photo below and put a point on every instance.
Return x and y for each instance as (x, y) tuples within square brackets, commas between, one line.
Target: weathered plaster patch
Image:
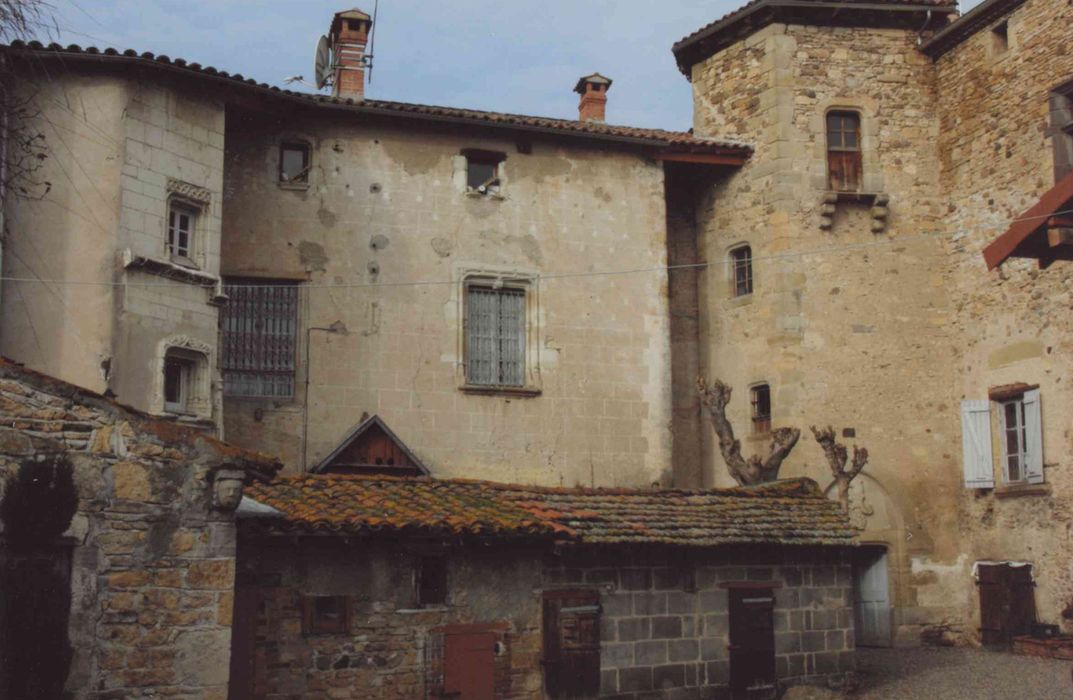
[(1016, 352), (312, 255)]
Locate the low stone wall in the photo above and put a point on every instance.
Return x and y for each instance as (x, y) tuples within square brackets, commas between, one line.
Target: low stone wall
[(665, 623), (152, 554)]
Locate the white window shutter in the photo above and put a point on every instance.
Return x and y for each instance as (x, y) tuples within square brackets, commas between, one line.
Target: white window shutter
[(1033, 438), (976, 444)]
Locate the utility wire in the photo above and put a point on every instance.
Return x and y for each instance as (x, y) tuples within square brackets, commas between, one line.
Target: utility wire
[(553, 275)]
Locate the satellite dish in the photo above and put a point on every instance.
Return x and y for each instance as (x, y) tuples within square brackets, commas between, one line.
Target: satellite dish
[(323, 64)]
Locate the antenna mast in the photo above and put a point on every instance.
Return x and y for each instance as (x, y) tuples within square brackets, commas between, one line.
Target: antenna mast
[(372, 43)]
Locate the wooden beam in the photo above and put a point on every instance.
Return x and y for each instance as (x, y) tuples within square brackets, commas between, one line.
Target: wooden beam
[(1028, 223), (703, 158), (1059, 236)]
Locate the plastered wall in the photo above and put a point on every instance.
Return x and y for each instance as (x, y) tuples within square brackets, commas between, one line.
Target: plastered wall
[(386, 208)]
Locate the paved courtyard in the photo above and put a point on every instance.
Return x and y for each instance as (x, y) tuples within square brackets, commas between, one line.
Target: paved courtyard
[(952, 674)]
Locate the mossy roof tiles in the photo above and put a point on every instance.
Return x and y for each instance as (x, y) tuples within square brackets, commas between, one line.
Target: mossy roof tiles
[(785, 512)]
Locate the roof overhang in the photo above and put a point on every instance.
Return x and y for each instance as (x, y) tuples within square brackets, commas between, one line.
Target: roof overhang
[(736, 26), (979, 17), (1044, 232)]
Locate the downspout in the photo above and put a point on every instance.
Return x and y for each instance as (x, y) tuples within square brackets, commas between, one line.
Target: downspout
[(3, 168), (337, 328)]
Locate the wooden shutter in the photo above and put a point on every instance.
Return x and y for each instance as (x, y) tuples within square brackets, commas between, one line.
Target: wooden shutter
[(976, 444), (1033, 438)]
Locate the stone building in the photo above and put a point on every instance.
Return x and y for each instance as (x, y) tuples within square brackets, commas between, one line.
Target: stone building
[(147, 563), (384, 587), (846, 227)]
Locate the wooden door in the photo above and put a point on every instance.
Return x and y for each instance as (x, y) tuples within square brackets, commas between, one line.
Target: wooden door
[(752, 641), (469, 665), (242, 684), (872, 599), (1007, 603), (571, 644)]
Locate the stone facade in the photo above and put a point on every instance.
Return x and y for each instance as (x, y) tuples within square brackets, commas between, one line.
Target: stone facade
[(152, 560), (385, 207), (885, 332), (664, 625), (104, 227)]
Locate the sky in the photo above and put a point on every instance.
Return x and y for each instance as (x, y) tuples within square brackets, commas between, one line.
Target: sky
[(521, 56)]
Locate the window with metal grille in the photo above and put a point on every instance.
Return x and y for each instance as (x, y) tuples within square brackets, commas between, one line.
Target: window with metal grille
[(182, 223), (844, 151), (760, 398), (258, 329), (741, 260), (495, 336)]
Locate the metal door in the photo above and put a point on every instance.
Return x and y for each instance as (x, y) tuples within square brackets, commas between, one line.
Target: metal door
[(571, 644), (872, 597), (469, 666), (752, 642)]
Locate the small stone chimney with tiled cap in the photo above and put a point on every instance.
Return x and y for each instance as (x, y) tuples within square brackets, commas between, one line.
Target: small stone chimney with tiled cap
[(348, 37), (593, 90)]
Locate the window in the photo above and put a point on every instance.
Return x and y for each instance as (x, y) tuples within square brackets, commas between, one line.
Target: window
[(760, 398), (258, 328), (182, 225), (1062, 130), (741, 260), (1016, 411), (495, 333), (844, 151), (324, 615), (1000, 38), (183, 371), (431, 581), (294, 163), (483, 170)]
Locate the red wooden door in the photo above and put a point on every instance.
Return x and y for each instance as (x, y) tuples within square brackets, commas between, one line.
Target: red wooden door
[(469, 666), (571, 644)]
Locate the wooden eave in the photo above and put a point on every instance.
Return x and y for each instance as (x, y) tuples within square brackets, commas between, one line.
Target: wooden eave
[(1028, 236), (736, 160)]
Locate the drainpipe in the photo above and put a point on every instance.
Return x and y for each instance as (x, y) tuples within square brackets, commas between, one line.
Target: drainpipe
[(337, 328), (3, 163)]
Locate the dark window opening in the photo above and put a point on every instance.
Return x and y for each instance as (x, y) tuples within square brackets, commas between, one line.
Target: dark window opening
[(294, 163), (482, 170), (324, 615), (431, 581), (844, 151), (742, 262), (1000, 34), (760, 398), (179, 373), (1062, 130)]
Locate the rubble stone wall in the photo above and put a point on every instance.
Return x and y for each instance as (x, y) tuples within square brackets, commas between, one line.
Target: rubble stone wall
[(152, 563)]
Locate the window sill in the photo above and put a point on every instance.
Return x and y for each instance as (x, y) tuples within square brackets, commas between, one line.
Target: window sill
[(418, 611), (169, 269), (479, 389), (848, 196), (1018, 490), (742, 300), (293, 185), (759, 437), (474, 194)]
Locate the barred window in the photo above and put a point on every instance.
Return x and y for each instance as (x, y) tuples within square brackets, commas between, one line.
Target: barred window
[(258, 329), (760, 398), (495, 336)]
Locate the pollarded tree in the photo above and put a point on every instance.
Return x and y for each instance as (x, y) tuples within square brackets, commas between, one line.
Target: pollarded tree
[(755, 470), (837, 456)]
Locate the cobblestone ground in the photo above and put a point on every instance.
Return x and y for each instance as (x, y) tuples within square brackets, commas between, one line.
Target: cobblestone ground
[(953, 674)]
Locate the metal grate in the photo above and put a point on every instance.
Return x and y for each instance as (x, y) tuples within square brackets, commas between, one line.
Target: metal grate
[(495, 336), (258, 328)]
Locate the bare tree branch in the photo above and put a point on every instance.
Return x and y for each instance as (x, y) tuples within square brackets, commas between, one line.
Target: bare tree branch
[(837, 456), (754, 470)]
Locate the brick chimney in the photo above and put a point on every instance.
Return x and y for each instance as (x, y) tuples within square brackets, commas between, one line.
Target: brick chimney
[(593, 90), (348, 36)]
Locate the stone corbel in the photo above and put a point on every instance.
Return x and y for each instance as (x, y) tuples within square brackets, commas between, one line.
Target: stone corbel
[(827, 210), (227, 484), (880, 212), (878, 201)]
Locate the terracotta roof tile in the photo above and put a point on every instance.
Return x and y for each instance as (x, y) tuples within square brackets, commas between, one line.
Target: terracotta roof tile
[(786, 512), (673, 140)]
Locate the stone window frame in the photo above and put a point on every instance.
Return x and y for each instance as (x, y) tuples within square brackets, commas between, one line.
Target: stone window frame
[(761, 424), (871, 174), (1060, 128), (486, 155), (1001, 39), (195, 200), (730, 281), (199, 402), (294, 140), (467, 275)]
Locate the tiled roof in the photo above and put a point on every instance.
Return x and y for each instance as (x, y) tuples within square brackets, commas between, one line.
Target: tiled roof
[(755, 14), (785, 512), (968, 24), (658, 138)]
